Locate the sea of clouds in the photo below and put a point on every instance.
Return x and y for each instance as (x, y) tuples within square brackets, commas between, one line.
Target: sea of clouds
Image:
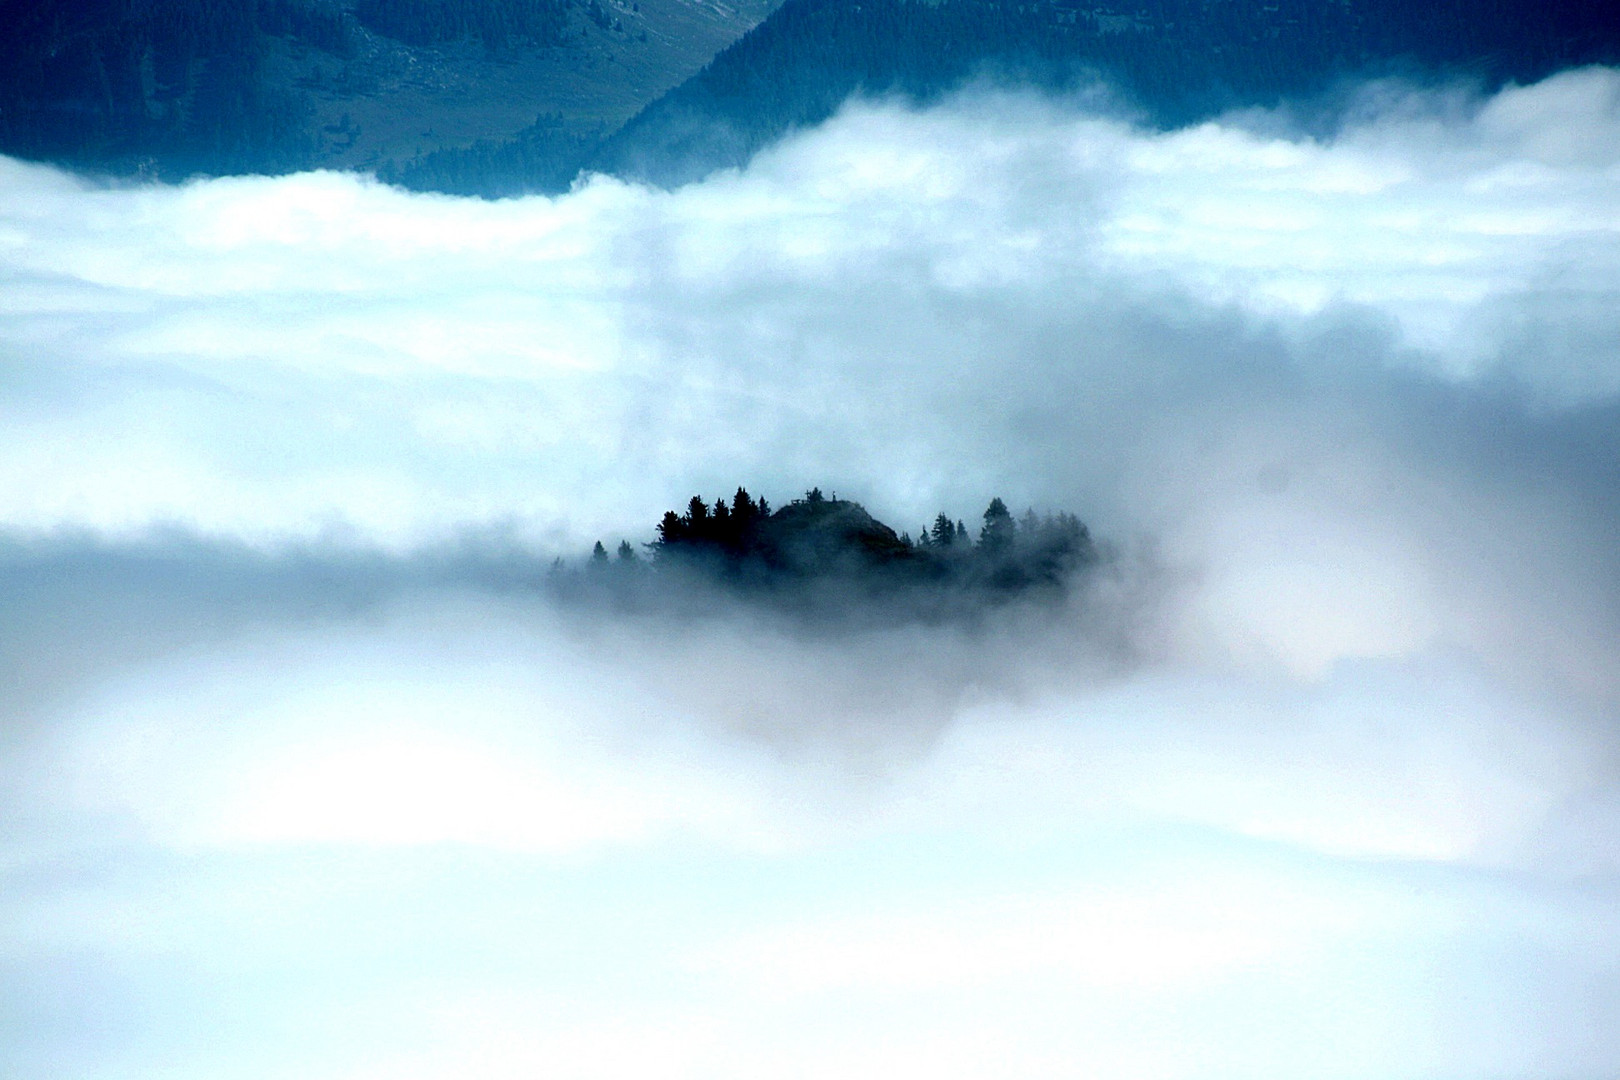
[(302, 774)]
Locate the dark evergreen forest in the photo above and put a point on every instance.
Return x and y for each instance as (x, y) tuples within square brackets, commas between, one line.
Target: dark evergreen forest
[(1175, 61), (829, 556), (544, 157), (176, 87)]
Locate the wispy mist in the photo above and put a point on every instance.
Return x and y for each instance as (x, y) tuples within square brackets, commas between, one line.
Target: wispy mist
[(304, 774)]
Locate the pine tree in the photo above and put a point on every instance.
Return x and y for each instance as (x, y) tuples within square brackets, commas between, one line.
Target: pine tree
[(672, 529), (997, 535)]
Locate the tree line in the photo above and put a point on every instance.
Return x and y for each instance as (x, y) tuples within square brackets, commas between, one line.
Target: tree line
[(744, 543)]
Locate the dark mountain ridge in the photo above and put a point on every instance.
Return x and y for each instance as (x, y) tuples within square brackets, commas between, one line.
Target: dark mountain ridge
[(501, 97), (1172, 61)]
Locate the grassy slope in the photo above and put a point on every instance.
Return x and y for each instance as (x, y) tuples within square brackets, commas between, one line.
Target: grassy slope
[(403, 101)]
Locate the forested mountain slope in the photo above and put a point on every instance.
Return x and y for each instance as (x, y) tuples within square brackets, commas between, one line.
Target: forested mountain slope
[(497, 97), (1173, 61), (172, 87)]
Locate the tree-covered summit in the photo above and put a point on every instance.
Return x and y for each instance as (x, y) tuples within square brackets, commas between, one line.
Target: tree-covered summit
[(822, 546)]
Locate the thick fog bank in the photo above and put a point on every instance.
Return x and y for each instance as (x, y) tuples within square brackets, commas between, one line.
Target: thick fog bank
[(303, 773)]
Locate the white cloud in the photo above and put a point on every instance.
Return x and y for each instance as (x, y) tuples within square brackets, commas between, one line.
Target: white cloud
[(312, 340), (1317, 780)]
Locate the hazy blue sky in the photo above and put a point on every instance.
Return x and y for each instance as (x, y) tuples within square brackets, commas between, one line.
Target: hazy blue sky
[(1317, 779)]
